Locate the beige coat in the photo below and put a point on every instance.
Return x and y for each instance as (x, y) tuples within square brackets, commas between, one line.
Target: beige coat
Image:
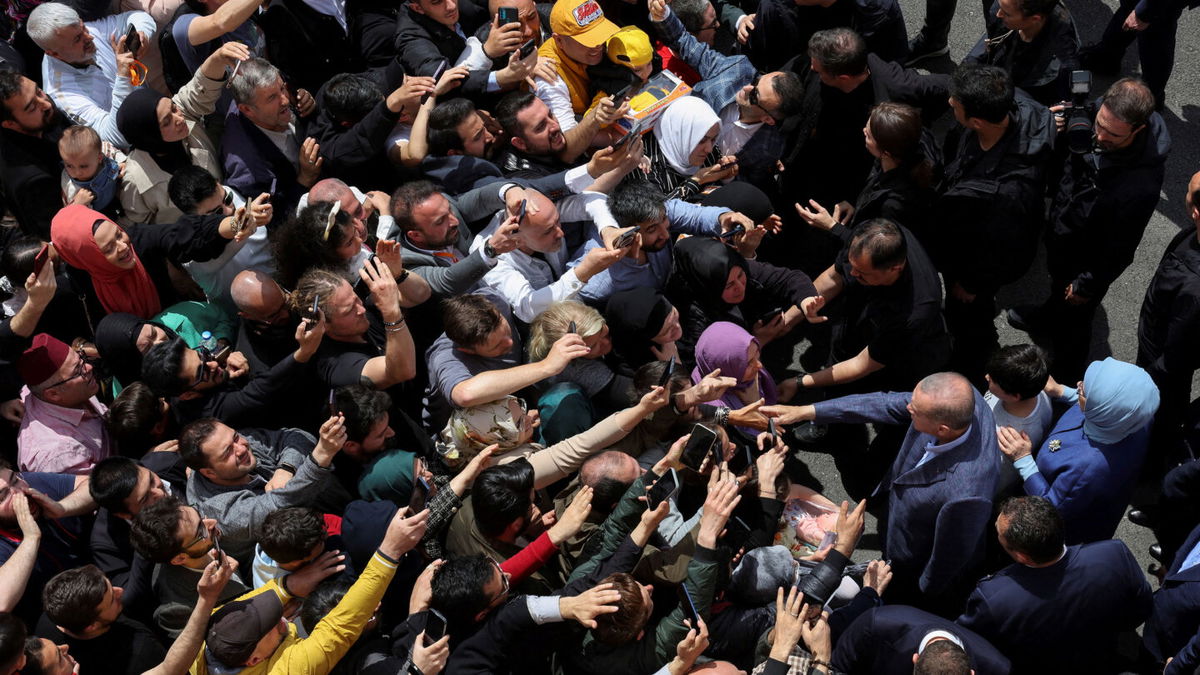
[(144, 188)]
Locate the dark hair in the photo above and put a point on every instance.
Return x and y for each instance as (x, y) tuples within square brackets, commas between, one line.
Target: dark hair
[(509, 107), (154, 531), (1130, 100), (459, 588), (648, 374), (363, 407), (10, 86), (1035, 528), (160, 367), (622, 626), (111, 482), (790, 90), (12, 631), (33, 657), (984, 92), (290, 534), (444, 121), (502, 495), (133, 415), (191, 438), (469, 319), (840, 51), (1042, 7), (882, 242), (72, 598), (300, 244), (189, 186), (16, 260), (349, 97), (942, 657), (407, 197), (321, 601), (898, 130), (637, 202), (690, 13), (1020, 370)]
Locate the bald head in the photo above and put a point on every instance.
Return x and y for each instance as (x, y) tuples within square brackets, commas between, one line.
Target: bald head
[(948, 398), (609, 474), (256, 295), (1193, 198), (328, 190)]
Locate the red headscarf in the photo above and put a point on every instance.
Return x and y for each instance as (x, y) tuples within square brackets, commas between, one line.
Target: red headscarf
[(119, 290)]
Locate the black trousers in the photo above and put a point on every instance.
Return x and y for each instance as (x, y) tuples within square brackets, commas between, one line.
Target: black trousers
[(1156, 44)]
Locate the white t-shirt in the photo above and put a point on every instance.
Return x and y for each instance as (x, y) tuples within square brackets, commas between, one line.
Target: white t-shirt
[(734, 133), (1036, 424)]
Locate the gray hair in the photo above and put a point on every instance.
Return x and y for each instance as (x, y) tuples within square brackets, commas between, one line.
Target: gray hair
[(953, 399), (47, 19), (690, 13), (254, 74)]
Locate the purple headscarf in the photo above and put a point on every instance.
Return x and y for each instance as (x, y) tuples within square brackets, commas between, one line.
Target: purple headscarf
[(723, 345)]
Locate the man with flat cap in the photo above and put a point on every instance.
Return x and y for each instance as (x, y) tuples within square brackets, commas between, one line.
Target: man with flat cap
[(62, 430)]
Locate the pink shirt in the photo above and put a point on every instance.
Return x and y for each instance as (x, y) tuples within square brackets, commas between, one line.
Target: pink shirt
[(54, 439)]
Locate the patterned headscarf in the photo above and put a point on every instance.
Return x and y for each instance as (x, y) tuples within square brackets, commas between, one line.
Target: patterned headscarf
[(470, 430)]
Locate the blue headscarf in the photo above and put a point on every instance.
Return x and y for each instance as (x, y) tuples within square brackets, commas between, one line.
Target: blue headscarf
[(1121, 399)]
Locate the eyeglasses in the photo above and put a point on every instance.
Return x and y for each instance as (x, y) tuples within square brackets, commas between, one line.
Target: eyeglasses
[(712, 26), (201, 533), (79, 371), (227, 200), (202, 370), (504, 583), (753, 97)]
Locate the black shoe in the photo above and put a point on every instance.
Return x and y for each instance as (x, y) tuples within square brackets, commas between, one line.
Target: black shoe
[(921, 49), (1156, 553), (1099, 60), (1158, 571), (1028, 319), (1140, 517)]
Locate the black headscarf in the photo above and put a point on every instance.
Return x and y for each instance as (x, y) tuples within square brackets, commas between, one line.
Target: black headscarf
[(743, 198), (116, 340), (137, 120), (701, 269), (634, 317)]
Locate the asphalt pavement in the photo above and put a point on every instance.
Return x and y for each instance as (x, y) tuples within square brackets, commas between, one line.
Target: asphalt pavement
[(1115, 330)]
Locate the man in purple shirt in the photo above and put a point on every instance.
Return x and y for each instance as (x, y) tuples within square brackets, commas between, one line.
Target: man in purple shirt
[(62, 430)]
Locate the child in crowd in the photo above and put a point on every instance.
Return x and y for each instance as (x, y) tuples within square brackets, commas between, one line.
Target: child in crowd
[(89, 177), (1016, 376)]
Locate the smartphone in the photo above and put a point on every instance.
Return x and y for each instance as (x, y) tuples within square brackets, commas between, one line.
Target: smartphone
[(39, 261), (133, 41), (663, 489), (622, 94), (773, 430), (626, 238), (689, 607), (770, 316), (698, 446), (229, 85), (666, 376), (437, 75), (738, 525), (572, 328), (732, 233), (741, 461), (527, 49), (435, 626), (521, 212), (634, 132), (420, 495), (333, 411), (221, 356), (314, 312), (508, 15), (216, 541)]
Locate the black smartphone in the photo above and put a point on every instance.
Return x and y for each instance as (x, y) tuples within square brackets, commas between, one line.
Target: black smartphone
[(634, 132), (508, 15), (626, 238), (435, 626), (666, 376), (333, 411), (39, 261), (770, 315), (220, 554), (521, 212), (572, 328), (698, 446), (732, 233), (420, 495), (689, 607), (739, 526), (773, 430), (663, 489), (437, 75), (527, 49), (133, 41), (741, 461), (622, 94), (314, 312)]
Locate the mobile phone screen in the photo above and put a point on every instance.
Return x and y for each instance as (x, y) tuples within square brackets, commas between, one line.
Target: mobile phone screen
[(698, 446), (420, 494), (133, 41), (663, 489), (666, 376), (435, 627), (689, 607)]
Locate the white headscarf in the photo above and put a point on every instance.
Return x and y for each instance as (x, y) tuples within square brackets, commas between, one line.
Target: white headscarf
[(682, 125)]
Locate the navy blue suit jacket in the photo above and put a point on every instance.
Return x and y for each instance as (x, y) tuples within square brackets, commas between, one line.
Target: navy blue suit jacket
[(1171, 630), (938, 513), (883, 640), (1064, 618)]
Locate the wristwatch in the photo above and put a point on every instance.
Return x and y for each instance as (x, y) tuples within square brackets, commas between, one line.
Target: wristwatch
[(414, 670), (489, 251)]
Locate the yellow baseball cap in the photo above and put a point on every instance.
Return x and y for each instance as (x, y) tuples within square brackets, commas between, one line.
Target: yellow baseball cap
[(582, 20), (630, 47)]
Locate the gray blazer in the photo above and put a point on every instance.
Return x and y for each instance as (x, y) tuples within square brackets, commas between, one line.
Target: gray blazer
[(448, 279)]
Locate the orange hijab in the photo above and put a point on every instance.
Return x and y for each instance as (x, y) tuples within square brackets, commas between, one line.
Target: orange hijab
[(119, 290)]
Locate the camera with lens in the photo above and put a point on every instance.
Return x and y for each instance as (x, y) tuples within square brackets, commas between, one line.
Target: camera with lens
[(1078, 112)]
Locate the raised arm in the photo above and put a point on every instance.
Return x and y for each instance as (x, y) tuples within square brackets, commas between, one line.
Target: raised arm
[(224, 20), (183, 651), (398, 363)]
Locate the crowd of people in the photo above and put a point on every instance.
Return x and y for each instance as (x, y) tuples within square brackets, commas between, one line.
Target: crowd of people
[(361, 336)]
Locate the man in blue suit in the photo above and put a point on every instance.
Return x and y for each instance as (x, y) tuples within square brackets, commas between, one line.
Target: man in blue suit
[(1173, 629), (1059, 609), (891, 640), (939, 489)]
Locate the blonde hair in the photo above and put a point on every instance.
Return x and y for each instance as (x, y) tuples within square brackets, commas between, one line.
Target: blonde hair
[(78, 138), (317, 281), (553, 323)]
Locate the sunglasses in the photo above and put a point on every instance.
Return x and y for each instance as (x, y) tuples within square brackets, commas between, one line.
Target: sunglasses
[(201, 533), (753, 97), (226, 201)]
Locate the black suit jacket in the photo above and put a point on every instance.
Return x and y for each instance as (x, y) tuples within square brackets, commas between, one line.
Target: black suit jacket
[(1175, 619), (883, 640), (423, 43)]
